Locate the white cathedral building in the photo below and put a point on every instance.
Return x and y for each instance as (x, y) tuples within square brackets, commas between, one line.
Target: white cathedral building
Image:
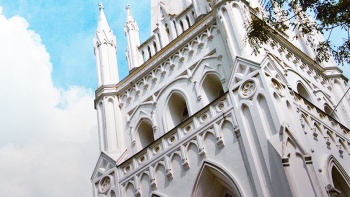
[(200, 114)]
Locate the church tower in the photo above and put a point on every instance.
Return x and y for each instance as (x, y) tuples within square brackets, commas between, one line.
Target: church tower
[(106, 102), (133, 38), (202, 114)]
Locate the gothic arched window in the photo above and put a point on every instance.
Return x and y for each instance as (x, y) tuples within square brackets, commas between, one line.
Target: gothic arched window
[(155, 47), (341, 186), (177, 110), (329, 111), (303, 92), (144, 135), (211, 88), (212, 181)]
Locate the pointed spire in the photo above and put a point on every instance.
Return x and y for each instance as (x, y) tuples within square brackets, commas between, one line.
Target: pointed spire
[(128, 14), (130, 21), (105, 50), (102, 21), (132, 35)]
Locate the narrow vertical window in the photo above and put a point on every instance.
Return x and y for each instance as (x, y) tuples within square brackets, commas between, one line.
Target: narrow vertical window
[(176, 111), (303, 92), (144, 134), (211, 88)]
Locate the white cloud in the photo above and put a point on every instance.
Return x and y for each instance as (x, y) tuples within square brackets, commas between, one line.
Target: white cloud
[(48, 137)]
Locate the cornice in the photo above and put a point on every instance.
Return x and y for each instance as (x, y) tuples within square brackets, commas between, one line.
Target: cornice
[(104, 90)]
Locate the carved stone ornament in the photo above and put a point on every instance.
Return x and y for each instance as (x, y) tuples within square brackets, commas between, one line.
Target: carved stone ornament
[(248, 88), (105, 184), (278, 87)]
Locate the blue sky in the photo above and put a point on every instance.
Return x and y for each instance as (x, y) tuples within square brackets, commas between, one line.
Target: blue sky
[(67, 27), (47, 80)]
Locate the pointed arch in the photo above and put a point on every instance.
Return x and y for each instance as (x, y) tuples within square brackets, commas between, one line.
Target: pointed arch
[(214, 181), (129, 189), (176, 110), (318, 128), (144, 134), (303, 92), (112, 193), (342, 143), (304, 118), (340, 180), (145, 185), (211, 87), (266, 116), (329, 111)]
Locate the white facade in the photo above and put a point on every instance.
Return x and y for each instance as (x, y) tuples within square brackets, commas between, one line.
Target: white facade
[(201, 114)]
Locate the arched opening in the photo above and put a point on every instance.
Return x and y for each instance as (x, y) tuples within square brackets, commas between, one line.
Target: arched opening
[(144, 134), (303, 92), (144, 56), (188, 21), (341, 186), (176, 111), (129, 190), (167, 31), (212, 181), (113, 194), (211, 88), (149, 52), (175, 29), (330, 112), (155, 46), (182, 27)]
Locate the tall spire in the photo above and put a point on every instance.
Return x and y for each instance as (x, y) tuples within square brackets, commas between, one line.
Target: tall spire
[(105, 50), (129, 17), (132, 35), (102, 21), (109, 115)]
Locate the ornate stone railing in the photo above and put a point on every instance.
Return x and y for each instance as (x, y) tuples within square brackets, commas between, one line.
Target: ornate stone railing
[(184, 20), (333, 130), (181, 22), (149, 48), (175, 142)]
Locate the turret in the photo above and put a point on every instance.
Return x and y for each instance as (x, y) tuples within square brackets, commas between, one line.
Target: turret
[(132, 36), (110, 120), (105, 49)]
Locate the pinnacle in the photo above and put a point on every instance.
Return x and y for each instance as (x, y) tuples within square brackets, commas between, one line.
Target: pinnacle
[(102, 21), (101, 6), (128, 14)]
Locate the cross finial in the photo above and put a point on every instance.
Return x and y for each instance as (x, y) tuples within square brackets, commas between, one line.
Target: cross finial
[(100, 6)]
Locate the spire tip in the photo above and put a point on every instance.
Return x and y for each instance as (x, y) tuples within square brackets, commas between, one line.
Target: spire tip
[(100, 5)]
